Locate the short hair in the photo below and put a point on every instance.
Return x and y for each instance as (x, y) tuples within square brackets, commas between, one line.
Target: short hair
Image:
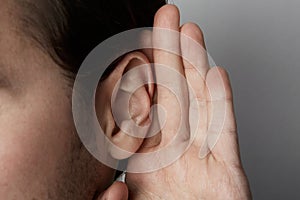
[(68, 30)]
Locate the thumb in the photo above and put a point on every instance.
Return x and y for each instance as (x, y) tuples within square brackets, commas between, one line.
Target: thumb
[(117, 191)]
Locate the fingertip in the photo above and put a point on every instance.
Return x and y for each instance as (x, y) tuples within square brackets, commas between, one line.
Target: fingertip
[(225, 77), (167, 16), (193, 50), (218, 84), (117, 191), (222, 71), (193, 30)]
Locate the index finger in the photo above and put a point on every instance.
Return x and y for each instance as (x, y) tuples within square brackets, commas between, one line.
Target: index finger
[(172, 92)]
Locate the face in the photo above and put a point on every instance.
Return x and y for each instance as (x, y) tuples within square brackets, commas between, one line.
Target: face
[(41, 156)]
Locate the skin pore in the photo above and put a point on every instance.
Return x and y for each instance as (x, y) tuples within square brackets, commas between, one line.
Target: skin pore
[(41, 156)]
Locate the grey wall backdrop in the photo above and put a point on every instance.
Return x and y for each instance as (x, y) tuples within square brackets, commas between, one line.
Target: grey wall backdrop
[(258, 42)]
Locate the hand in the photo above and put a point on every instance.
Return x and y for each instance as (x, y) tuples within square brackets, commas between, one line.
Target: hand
[(219, 175)]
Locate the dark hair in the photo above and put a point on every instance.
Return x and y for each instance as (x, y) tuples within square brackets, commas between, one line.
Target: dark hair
[(69, 29)]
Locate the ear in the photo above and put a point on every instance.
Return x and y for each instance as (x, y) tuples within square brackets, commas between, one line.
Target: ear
[(123, 104)]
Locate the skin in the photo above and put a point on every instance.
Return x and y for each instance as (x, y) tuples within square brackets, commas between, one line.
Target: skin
[(41, 156), (220, 174)]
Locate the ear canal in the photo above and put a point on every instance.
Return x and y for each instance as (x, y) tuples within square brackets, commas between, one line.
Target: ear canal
[(131, 105)]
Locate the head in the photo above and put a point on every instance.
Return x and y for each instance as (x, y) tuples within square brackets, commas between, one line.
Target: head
[(42, 45)]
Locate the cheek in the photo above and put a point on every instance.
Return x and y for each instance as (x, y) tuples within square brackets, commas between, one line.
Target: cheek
[(36, 135)]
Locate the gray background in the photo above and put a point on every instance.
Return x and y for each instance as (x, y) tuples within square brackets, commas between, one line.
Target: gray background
[(258, 42)]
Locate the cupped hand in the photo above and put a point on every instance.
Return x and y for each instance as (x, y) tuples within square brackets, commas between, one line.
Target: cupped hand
[(210, 168)]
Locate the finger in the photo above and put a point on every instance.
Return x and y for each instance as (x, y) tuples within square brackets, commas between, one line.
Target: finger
[(172, 88), (167, 18), (117, 191), (222, 134), (193, 49), (195, 61), (146, 41)]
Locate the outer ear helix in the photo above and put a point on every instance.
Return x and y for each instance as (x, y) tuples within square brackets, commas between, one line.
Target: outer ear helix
[(131, 104)]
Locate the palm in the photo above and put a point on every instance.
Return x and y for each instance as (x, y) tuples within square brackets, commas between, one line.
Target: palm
[(218, 174)]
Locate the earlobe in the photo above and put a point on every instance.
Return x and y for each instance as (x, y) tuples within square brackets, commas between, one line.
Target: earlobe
[(130, 100)]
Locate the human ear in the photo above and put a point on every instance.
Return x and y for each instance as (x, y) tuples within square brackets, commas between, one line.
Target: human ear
[(123, 104)]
